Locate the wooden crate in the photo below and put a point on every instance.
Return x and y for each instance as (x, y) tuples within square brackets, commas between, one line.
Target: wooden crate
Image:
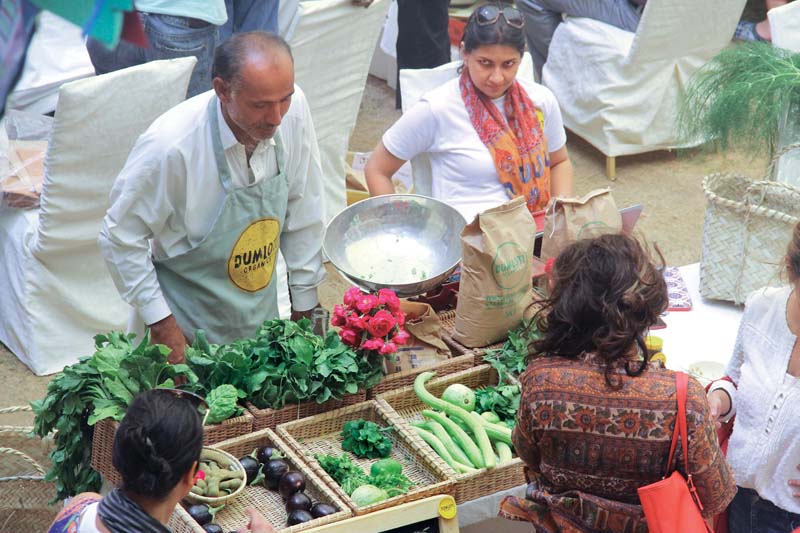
[(407, 408), (269, 502), (105, 430), (321, 434), (272, 418), (404, 379)]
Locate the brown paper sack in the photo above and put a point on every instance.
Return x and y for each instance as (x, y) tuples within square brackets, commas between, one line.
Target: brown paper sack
[(571, 219), (495, 288), (425, 347)]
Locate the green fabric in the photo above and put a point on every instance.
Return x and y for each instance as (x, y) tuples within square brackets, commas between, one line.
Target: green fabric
[(108, 24)]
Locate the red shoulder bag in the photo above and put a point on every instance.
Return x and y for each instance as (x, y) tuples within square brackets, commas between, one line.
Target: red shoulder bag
[(672, 504)]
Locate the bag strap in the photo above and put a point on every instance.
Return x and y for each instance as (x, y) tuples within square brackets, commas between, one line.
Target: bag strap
[(682, 431)]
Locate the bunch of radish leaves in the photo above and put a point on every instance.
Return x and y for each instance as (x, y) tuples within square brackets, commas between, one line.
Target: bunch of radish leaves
[(95, 388)]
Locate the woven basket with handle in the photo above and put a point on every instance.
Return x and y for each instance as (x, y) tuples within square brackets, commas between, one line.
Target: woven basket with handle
[(748, 225), (24, 494)]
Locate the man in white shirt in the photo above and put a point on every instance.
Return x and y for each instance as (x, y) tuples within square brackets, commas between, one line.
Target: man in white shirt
[(210, 192)]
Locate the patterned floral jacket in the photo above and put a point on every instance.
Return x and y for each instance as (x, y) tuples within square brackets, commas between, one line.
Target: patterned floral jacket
[(589, 447)]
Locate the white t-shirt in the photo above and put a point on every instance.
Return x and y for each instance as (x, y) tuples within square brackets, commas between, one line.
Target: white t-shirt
[(463, 171)]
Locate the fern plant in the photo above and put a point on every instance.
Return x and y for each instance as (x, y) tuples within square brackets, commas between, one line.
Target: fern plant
[(739, 96)]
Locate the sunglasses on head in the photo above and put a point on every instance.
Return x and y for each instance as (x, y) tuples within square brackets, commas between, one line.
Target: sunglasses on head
[(490, 14), (197, 400)]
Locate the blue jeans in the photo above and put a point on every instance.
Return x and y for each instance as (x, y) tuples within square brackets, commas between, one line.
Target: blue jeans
[(542, 17), (168, 37), (748, 513), (249, 15)]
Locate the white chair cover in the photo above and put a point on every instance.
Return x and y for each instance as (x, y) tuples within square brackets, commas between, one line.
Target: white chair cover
[(619, 90), (57, 293)]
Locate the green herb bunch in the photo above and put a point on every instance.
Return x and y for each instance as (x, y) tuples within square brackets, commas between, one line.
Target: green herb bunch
[(512, 358), (366, 439), (737, 98), (98, 387), (502, 400)]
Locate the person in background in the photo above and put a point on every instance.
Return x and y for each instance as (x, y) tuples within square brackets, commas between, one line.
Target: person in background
[(763, 393), (249, 15), (174, 28), (542, 17), (490, 136), (595, 416), (748, 30), (423, 40), (210, 193), (156, 451)]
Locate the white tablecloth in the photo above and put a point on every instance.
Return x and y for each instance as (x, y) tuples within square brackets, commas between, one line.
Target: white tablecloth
[(706, 333)]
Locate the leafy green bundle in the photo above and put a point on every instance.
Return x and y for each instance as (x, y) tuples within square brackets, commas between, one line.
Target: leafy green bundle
[(97, 387), (284, 363), (366, 439), (737, 98), (512, 358), (349, 476), (502, 400)]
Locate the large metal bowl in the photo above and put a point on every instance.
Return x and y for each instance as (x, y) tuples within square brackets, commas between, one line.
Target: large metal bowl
[(403, 242)]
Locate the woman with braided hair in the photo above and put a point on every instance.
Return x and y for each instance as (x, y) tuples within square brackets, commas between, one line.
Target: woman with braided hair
[(157, 452)]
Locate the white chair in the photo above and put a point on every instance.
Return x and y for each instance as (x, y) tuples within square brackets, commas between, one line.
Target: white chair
[(56, 291), (416, 82), (332, 42), (619, 90)]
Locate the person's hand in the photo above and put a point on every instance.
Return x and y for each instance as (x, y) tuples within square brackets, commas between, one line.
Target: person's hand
[(362, 3), (168, 333), (257, 523), (297, 315), (795, 484), (719, 404)]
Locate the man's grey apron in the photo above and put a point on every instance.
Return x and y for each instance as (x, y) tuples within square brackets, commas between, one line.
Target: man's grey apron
[(225, 285)]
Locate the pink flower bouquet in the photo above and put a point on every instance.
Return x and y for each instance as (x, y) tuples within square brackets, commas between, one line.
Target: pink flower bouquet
[(371, 322)]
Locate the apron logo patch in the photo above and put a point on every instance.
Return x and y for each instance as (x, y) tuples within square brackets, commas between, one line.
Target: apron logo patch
[(252, 260)]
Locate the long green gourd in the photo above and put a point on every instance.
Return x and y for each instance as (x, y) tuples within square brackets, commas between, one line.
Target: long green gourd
[(477, 428), (455, 451), (459, 436), (437, 446), (496, 432)]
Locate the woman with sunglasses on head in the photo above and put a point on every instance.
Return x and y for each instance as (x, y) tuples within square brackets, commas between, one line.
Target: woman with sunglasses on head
[(596, 418), (490, 136), (157, 452)]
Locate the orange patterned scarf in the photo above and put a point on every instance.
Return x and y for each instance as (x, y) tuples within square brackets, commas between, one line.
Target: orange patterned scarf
[(518, 146)]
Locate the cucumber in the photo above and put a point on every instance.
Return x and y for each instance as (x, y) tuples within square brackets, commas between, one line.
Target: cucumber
[(481, 438), (456, 452), (464, 469), (460, 437), (437, 446), (496, 432), (504, 451)]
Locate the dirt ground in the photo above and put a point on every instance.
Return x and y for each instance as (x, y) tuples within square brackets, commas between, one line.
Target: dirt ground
[(668, 184)]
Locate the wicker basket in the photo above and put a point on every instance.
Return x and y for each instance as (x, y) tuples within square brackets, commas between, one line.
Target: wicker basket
[(321, 434), (24, 494), (404, 379), (272, 418), (105, 430), (269, 502), (747, 227), (407, 407), (448, 321)]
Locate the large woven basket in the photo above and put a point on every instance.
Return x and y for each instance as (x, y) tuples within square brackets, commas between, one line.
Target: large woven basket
[(105, 430), (24, 494), (407, 407), (748, 225), (272, 418), (269, 502), (321, 434), (403, 379)]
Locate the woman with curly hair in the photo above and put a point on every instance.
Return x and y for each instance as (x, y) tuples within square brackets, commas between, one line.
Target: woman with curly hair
[(595, 418)]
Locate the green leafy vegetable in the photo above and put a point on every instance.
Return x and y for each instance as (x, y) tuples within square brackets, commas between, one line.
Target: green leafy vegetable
[(502, 400), (349, 476), (222, 404), (512, 358), (366, 439), (95, 388)]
